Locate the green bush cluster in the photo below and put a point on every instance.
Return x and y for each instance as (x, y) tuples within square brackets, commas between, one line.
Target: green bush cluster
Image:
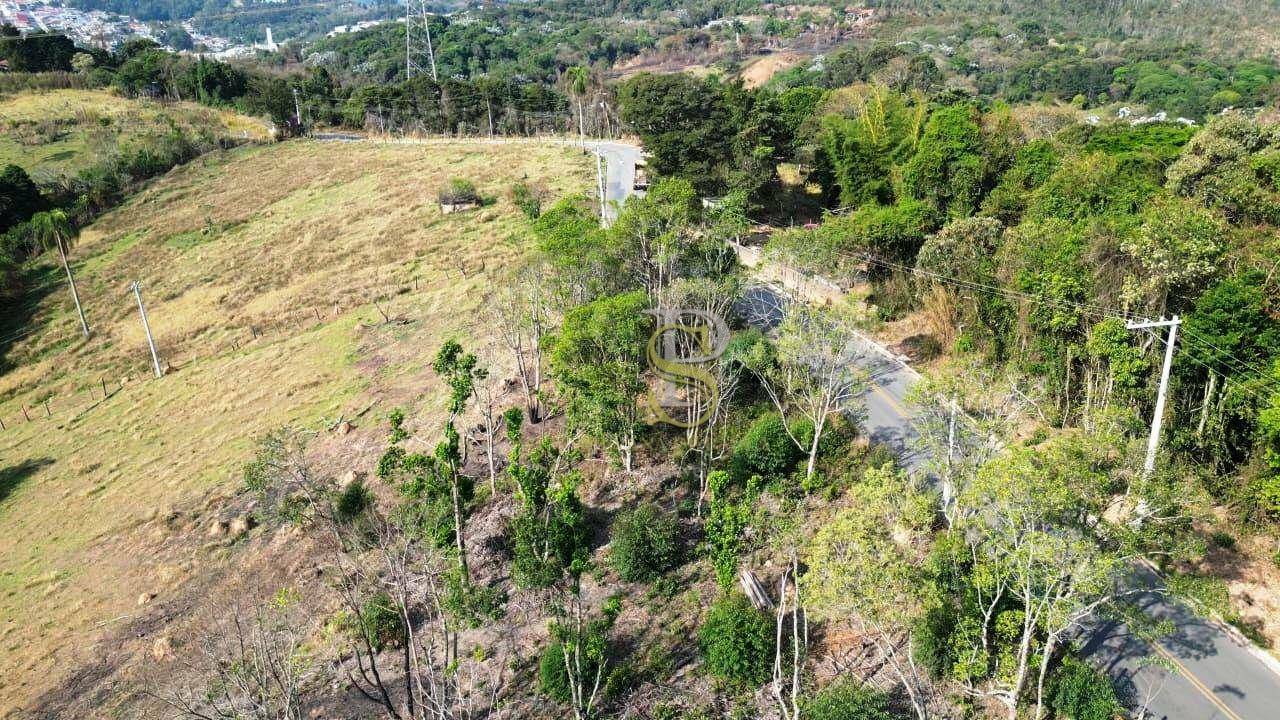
[(527, 199), (459, 190), (1079, 691), (381, 622), (352, 501), (737, 642), (847, 700), (766, 449), (645, 544)]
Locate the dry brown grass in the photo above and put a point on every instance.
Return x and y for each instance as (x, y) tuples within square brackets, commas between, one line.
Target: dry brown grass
[(242, 239), (56, 132)]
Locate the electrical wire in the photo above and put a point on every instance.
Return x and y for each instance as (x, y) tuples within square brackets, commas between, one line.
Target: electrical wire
[(1232, 362)]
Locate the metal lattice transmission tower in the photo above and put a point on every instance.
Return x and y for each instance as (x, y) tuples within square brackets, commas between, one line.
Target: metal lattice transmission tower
[(417, 40)]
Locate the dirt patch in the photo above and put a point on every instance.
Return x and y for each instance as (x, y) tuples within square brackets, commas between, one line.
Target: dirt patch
[(759, 72)]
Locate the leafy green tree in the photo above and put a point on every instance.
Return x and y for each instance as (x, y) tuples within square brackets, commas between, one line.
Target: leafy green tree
[(1225, 166), (82, 62), (949, 169), (1032, 165), (36, 53), (1095, 186), (1228, 328), (585, 261), (1267, 488), (766, 449), (862, 569), (550, 533), (727, 520), (762, 141), (1118, 364), (19, 197), (864, 149), (809, 376), (1082, 692), (1046, 261), (965, 250), (598, 360), (687, 125), (655, 236), (1175, 251), (577, 78), (574, 668)]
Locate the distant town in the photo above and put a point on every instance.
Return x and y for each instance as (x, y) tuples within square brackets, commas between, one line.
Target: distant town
[(97, 28)]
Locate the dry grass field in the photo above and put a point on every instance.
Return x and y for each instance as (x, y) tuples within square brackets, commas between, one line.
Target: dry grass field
[(260, 267), (57, 132)]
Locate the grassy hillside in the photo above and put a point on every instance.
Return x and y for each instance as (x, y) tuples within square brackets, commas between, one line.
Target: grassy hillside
[(260, 267), (60, 131)]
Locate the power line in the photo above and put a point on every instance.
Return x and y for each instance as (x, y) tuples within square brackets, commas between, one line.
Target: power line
[(1235, 364)]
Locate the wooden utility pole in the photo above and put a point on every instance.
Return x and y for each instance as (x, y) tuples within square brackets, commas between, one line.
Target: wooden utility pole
[(1153, 442), (146, 326)]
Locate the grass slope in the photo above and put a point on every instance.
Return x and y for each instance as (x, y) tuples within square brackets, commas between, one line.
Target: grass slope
[(57, 132), (292, 241)]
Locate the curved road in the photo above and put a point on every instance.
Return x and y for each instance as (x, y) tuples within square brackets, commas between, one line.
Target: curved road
[(1217, 674)]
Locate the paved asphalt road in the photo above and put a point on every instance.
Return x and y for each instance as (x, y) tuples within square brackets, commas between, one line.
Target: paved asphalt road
[(620, 161), (1218, 677)]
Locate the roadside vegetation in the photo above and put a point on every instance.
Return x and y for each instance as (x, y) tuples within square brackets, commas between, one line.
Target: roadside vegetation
[(416, 454)]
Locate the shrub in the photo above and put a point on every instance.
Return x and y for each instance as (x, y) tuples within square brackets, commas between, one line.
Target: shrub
[(931, 635), (646, 543), (724, 527), (737, 642), (846, 700), (354, 499), (527, 199), (1081, 692), (1223, 540), (766, 449), (380, 621), (459, 190), (553, 676)]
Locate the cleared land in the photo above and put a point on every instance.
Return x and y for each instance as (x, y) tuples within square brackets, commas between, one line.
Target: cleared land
[(57, 132), (292, 243)]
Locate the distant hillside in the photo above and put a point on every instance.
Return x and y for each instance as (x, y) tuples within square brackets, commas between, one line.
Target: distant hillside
[(59, 132), (1230, 26)]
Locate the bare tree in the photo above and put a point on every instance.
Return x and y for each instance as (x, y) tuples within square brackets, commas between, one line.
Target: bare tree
[(398, 590), (707, 396), (521, 310), (786, 674), (434, 680), (813, 372), (254, 668)]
